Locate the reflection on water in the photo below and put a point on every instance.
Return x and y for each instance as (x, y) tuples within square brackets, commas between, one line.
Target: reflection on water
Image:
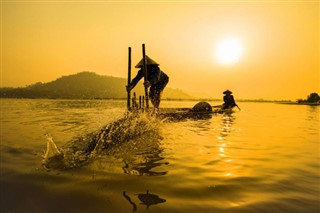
[(223, 142), (150, 199), (146, 166), (145, 199), (128, 198), (200, 127), (227, 121), (142, 156)]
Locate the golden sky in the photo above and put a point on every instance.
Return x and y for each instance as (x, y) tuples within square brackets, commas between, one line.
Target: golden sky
[(43, 40)]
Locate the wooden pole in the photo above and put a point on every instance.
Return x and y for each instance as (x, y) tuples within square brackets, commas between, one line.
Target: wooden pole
[(129, 79), (145, 75), (143, 102), (134, 101)]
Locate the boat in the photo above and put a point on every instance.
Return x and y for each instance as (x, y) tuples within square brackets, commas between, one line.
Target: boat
[(202, 110)]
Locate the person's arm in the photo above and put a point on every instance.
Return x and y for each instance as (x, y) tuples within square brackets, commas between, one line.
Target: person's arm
[(233, 101), (136, 79)]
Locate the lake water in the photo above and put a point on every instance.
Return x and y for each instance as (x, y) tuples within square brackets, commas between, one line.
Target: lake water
[(264, 158)]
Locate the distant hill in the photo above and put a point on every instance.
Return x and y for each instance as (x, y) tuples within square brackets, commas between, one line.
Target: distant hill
[(84, 85)]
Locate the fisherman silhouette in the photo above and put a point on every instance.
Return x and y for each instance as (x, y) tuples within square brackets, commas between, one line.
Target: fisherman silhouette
[(228, 99), (156, 80)]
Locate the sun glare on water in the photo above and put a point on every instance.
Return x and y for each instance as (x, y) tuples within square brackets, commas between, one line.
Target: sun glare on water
[(228, 51)]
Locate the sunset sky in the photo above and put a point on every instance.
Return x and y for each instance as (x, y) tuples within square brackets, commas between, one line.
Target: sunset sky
[(257, 49)]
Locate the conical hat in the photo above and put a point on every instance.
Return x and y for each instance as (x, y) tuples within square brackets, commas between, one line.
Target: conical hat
[(149, 61), (227, 91)]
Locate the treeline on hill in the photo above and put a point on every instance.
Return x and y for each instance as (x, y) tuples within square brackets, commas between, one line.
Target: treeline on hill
[(84, 85)]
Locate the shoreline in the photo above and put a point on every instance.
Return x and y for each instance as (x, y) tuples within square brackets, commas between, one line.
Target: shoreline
[(295, 103)]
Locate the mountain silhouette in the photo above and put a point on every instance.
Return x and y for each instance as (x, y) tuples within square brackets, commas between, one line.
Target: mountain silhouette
[(84, 85)]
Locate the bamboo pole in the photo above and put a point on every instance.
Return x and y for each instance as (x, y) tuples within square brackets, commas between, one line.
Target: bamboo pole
[(129, 79), (134, 102), (143, 103), (145, 74)]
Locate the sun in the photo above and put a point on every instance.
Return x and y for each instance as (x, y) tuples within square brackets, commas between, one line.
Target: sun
[(228, 51)]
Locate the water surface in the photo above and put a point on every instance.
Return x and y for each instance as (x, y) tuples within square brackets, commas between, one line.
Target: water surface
[(264, 158)]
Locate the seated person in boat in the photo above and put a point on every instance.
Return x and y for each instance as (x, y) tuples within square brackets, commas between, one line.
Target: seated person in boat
[(228, 99), (156, 80)]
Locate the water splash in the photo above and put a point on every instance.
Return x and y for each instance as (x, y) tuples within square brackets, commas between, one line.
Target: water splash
[(52, 148), (86, 148)]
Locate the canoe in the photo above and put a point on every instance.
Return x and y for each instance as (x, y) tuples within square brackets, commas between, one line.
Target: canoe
[(201, 110), (177, 114)]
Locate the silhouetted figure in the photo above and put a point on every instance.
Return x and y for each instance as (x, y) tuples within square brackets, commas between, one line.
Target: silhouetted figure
[(156, 78), (228, 99)]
